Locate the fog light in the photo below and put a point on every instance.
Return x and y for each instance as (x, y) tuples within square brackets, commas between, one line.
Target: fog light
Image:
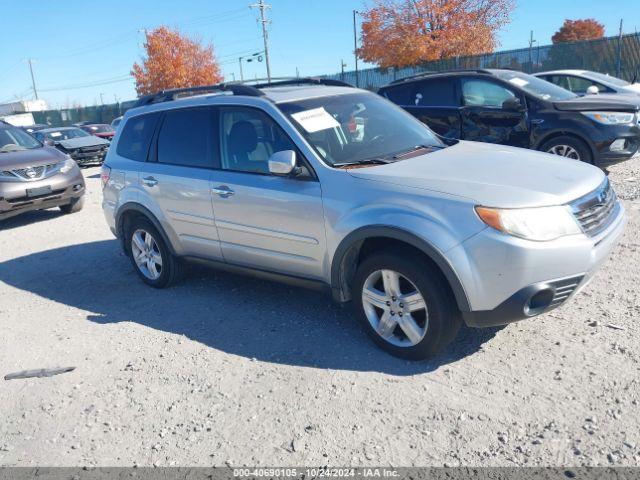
[(618, 145), (538, 302)]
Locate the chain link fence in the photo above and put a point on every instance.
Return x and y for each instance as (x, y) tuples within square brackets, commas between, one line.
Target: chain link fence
[(618, 56)]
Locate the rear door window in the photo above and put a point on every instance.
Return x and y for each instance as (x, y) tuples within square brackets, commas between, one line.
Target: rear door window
[(185, 138), (136, 136), (439, 92), (400, 95)]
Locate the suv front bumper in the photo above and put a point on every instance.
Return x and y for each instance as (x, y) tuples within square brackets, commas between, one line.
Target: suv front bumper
[(508, 279)]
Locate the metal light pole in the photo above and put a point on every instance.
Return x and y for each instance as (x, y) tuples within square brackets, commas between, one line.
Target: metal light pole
[(355, 46), (240, 63), (619, 62), (33, 80)]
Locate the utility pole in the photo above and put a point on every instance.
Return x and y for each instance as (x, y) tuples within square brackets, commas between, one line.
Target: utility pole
[(355, 46), (531, 42), (265, 35), (619, 63), (240, 63), (342, 65), (33, 79)]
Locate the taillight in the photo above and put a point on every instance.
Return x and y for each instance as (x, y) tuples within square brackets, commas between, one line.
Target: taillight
[(105, 173)]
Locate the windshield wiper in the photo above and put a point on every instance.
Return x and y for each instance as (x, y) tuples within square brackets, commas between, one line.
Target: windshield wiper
[(366, 161), (416, 149)]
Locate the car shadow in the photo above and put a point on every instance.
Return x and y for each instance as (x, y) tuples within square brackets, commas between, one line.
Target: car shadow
[(27, 218), (243, 316)]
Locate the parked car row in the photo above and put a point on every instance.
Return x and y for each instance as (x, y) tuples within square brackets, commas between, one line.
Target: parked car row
[(318, 183)]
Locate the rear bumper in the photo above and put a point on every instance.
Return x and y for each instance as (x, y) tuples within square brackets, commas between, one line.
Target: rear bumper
[(64, 188)]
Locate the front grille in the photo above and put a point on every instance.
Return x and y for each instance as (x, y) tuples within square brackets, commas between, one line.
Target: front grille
[(28, 174), (596, 210), (562, 289)]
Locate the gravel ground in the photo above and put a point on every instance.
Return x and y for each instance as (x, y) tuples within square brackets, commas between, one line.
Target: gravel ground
[(224, 369)]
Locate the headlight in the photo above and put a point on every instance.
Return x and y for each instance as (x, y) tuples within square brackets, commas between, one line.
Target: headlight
[(67, 165), (538, 224), (610, 118)]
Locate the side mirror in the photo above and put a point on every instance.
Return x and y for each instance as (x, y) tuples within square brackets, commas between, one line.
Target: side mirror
[(513, 105), (282, 163), (49, 142), (593, 90)]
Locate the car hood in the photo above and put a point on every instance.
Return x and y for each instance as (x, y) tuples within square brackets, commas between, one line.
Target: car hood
[(608, 102), (30, 158), (78, 142), (491, 175)]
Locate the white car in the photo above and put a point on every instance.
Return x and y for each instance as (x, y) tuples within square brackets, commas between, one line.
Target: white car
[(585, 82)]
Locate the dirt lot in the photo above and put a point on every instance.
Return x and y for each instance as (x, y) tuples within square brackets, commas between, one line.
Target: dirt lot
[(228, 370)]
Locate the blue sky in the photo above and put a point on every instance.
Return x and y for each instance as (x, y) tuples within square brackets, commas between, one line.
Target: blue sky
[(82, 49)]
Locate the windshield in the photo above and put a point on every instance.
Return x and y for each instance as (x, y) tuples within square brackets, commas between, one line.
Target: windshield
[(536, 86), (601, 77), (59, 135), (13, 139), (357, 127)]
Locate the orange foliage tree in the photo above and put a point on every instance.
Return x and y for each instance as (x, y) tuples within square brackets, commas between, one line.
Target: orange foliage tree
[(396, 33), (174, 61), (574, 30)]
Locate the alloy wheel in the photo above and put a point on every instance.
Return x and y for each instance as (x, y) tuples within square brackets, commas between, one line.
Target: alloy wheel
[(395, 308), (146, 254), (565, 151)]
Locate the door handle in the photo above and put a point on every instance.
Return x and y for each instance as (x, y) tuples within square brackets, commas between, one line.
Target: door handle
[(223, 191), (150, 181)]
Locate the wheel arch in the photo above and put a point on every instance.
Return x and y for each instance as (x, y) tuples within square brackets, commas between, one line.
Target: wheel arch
[(345, 260), (130, 210), (566, 133)]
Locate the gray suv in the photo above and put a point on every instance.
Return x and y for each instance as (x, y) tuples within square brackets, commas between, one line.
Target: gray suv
[(322, 184)]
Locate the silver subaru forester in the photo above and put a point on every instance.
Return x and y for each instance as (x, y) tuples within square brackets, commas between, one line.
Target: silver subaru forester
[(322, 184)]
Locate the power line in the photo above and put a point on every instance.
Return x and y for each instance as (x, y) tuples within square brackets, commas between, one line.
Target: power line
[(96, 83)]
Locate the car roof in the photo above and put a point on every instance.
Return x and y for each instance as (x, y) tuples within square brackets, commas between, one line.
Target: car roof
[(59, 129), (446, 73), (287, 92), (563, 72)]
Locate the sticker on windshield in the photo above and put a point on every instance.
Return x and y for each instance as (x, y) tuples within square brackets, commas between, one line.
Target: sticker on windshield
[(519, 82), (315, 120), (55, 134)]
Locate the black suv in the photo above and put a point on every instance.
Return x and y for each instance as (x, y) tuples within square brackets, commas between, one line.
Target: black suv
[(513, 108)]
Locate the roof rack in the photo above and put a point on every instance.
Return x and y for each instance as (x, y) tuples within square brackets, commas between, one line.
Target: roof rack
[(175, 93), (279, 82), (429, 73)]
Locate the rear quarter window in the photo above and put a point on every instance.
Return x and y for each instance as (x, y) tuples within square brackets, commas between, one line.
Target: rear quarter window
[(136, 136)]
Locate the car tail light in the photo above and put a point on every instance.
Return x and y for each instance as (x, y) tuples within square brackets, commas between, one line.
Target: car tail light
[(105, 173)]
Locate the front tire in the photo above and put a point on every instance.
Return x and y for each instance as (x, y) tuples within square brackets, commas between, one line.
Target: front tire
[(405, 305), (150, 255), (568, 147)]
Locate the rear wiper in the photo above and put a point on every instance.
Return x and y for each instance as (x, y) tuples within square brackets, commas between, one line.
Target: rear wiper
[(366, 161)]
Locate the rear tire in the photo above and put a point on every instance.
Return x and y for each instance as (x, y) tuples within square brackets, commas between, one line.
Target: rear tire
[(570, 147), (73, 207), (418, 333), (150, 256)]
